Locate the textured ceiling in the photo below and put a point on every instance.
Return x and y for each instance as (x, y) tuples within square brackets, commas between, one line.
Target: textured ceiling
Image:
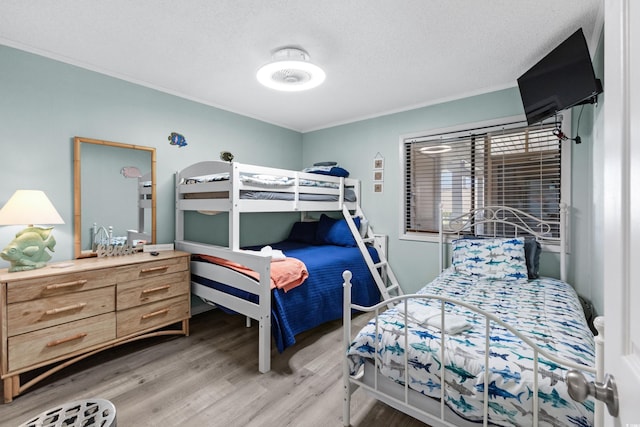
[(380, 56)]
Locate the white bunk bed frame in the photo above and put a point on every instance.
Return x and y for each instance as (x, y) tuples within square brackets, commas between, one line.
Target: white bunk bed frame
[(435, 412), (235, 205)]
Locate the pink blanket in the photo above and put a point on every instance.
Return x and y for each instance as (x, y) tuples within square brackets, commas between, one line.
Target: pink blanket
[(285, 274)]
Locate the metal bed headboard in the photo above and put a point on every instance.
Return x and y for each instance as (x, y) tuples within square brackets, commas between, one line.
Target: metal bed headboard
[(504, 221)]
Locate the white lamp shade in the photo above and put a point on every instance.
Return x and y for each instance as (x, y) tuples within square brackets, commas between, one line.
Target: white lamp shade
[(27, 207)]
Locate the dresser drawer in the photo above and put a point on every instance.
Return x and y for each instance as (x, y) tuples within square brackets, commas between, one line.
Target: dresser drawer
[(152, 269), (41, 313), (48, 286), (152, 315), (143, 291), (50, 343)]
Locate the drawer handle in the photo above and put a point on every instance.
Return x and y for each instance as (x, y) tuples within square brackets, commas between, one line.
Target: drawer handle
[(152, 269), (65, 285), (159, 288), (64, 340), (67, 308), (155, 313)]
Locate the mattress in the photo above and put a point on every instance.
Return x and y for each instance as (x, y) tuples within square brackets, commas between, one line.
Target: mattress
[(280, 184), (545, 310), (260, 180), (349, 195), (319, 299)]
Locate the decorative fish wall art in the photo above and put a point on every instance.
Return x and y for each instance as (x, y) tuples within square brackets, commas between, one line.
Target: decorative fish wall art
[(177, 139), (130, 172), (226, 156)]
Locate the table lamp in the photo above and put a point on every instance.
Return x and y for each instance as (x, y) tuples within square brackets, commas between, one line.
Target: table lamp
[(28, 250)]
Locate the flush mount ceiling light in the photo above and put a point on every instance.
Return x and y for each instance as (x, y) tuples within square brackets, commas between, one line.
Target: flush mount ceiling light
[(435, 149), (290, 71)]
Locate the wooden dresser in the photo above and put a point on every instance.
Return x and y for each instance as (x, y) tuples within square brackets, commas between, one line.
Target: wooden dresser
[(52, 317)]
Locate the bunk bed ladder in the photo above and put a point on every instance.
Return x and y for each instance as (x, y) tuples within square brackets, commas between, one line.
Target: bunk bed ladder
[(381, 271)]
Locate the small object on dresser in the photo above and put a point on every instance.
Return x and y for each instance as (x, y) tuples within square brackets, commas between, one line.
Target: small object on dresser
[(154, 253), (158, 247), (115, 250)]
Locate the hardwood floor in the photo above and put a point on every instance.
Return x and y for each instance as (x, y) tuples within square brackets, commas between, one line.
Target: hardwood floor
[(211, 378)]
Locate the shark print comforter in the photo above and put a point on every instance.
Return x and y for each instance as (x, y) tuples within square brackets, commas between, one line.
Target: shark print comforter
[(545, 310)]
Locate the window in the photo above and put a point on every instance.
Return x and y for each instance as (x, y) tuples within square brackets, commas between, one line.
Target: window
[(500, 165)]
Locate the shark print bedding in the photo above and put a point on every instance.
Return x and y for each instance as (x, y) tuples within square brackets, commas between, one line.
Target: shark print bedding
[(545, 310)]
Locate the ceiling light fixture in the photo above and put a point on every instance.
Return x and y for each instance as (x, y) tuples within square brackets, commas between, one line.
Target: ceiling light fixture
[(435, 149), (290, 71)]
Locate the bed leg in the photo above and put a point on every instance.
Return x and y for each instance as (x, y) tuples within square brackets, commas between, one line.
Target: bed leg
[(346, 407), (264, 345), (247, 322), (346, 338)]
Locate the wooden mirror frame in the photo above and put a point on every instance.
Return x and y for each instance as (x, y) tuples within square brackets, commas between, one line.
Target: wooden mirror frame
[(77, 187)]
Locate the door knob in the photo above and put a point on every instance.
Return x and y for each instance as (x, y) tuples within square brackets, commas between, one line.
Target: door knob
[(607, 392)]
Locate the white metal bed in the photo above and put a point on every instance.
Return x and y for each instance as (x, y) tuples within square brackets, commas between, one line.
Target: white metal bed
[(401, 392), (214, 186)]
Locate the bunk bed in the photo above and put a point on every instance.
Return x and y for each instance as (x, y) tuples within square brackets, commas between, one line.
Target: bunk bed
[(502, 323), (245, 280)]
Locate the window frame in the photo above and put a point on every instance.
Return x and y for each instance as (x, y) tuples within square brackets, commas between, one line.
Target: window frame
[(487, 125)]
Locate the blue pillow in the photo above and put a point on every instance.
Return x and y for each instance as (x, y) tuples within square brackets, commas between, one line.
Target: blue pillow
[(333, 231), (304, 232), (334, 171), (532, 249)]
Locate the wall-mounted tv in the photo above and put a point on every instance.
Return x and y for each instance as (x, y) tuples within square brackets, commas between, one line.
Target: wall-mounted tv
[(562, 79)]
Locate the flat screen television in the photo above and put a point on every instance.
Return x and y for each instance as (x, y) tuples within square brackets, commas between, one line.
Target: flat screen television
[(562, 79)]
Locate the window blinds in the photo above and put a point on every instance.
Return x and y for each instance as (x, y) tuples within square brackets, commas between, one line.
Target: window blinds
[(513, 165)]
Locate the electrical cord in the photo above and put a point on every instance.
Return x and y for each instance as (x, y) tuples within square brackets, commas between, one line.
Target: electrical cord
[(577, 138), (561, 136)]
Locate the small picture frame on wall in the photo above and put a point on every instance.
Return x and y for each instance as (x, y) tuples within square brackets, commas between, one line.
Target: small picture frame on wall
[(378, 187), (378, 163), (378, 175)]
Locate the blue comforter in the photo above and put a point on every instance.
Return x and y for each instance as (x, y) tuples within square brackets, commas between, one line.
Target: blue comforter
[(319, 299)]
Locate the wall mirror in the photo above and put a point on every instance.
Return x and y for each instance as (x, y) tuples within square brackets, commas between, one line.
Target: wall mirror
[(114, 194)]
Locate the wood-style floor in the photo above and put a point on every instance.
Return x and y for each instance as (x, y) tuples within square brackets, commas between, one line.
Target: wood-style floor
[(211, 378)]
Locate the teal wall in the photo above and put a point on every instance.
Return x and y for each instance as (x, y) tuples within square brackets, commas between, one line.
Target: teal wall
[(44, 103), (414, 263)]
